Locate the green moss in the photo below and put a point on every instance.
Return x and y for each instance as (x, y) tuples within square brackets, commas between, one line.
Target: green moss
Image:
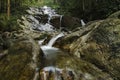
[(14, 67)]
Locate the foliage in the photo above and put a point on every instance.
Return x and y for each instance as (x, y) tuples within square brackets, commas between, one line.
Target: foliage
[(8, 25), (89, 9)]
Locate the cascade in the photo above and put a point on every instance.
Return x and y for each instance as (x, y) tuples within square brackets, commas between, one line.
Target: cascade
[(40, 18), (49, 51)]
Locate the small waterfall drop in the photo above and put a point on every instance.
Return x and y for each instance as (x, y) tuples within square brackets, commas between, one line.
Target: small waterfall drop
[(49, 51), (61, 16), (49, 20), (52, 41), (82, 22)]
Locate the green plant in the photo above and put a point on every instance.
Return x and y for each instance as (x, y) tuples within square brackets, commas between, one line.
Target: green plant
[(8, 25)]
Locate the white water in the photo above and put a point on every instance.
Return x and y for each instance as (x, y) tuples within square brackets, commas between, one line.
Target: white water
[(52, 41), (54, 70), (49, 20), (46, 27), (82, 22), (61, 16), (36, 24), (57, 71), (47, 10), (49, 51)]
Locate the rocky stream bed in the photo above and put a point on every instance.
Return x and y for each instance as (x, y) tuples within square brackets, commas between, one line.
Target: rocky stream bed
[(89, 52)]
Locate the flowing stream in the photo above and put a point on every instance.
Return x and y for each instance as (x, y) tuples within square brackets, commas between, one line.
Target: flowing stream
[(50, 52)]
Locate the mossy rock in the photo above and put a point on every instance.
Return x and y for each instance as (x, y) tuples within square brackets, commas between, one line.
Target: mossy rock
[(16, 65)]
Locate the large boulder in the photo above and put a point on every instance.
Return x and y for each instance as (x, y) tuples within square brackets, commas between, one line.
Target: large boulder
[(70, 22), (66, 22), (55, 21), (20, 62)]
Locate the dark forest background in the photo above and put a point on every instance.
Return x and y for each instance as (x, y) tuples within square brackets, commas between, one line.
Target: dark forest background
[(11, 10)]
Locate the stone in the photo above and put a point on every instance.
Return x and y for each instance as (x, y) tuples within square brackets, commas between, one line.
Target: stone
[(21, 61), (98, 45), (66, 22)]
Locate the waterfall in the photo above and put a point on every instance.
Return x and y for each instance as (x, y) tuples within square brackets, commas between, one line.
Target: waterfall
[(52, 41), (82, 22), (40, 18), (49, 51), (61, 16), (49, 18)]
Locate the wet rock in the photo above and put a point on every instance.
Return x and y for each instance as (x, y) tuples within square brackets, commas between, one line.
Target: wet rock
[(16, 64), (70, 22), (41, 18), (67, 22), (55, 21)]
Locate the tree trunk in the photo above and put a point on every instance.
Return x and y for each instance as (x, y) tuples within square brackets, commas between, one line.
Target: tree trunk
[(8, 9)]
